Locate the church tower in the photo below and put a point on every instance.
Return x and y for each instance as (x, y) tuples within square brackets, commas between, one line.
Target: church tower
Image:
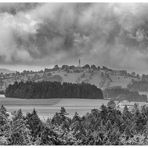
[(79, 63)]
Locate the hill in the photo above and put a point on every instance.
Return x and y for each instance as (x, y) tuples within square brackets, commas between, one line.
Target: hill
[(3, 70), (100, 77)]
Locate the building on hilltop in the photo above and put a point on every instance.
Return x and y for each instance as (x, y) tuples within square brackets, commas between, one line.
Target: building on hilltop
[(79, 63)]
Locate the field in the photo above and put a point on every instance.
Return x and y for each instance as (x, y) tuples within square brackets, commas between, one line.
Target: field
[(48, 107)]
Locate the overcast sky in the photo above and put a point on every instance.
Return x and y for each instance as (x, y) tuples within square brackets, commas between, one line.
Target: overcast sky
[(41, 35)]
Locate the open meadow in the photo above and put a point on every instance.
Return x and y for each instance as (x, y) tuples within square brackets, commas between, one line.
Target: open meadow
[(48, 107)]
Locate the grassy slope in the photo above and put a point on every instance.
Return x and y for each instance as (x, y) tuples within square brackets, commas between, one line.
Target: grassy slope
[(94, 78)]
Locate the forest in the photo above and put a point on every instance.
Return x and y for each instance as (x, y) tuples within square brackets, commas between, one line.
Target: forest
[(139, 85), (119, 93), (46, 89), (106, 126)]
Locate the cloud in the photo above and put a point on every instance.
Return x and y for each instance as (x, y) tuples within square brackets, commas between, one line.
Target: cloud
[(14, 8), (108, 34)]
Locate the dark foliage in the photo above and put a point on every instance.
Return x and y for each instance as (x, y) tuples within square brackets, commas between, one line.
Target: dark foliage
[(124, 94), (34, 124), (139, 85), (46, 89), (2, 92)]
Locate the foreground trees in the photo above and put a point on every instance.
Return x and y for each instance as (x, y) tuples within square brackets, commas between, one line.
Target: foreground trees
[(107, 126), (46, 89), (20, 134)]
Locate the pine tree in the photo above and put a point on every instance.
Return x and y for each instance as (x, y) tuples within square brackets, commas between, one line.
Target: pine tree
[(111, 104), (126, 113), (76, 117), (49, 137), (3, 110), (5, 128), (63, 111), (34, 124), (108, 125), (20, 134)]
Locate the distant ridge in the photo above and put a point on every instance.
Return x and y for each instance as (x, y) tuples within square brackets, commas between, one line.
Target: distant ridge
[(3, 70), (102, 77)]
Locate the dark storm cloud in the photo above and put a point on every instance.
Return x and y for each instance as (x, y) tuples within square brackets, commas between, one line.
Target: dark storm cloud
[(108, 34), (14, 8)]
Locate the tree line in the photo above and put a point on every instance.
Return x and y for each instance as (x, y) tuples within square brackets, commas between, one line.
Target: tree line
[(124, 94), (46, 89), (107, 126), (139, 85)]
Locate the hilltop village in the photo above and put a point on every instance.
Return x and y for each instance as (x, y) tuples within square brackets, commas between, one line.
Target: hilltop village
[(102, 77)]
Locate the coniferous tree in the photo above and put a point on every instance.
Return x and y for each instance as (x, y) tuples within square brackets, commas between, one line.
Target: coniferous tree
[(5, 127), (20, 134), (53, 90), (34, 124)]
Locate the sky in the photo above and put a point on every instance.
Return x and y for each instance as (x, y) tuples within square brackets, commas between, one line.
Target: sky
[(38, 35)]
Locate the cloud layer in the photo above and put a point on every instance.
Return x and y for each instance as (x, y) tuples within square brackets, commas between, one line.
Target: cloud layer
[(115, 35)]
